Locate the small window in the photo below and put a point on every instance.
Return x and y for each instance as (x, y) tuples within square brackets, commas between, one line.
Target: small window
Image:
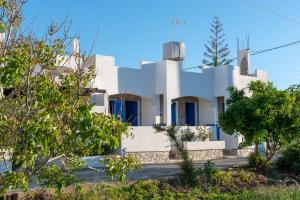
[(98, 99)]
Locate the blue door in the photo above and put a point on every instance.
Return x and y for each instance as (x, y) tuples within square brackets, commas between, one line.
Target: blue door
[(132, 112), (117, 109), (173, 113), (190, 114)]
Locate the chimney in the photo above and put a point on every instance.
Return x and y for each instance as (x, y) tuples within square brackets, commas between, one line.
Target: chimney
[(75, 46), (243, 61)]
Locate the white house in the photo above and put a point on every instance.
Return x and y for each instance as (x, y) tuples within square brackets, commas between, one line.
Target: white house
[(163, 93)]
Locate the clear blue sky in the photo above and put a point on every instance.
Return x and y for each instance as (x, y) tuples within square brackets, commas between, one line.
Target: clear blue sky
[(134, 30)]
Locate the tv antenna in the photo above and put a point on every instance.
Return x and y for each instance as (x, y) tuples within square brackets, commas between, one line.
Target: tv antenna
[(176, 22)]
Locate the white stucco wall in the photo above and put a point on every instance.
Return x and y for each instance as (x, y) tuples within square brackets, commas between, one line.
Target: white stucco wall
[(197, 84), (172, 89), (206, 115), (231, 141), (148, 111), (136, 81), (242, 81), (166, 78), (222, 80), (106, 74), (204, 145), (145, 139)]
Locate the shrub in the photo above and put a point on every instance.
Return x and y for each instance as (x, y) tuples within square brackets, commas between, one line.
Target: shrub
[(209, 170), (290, 158), (215, 175), (245, 176), (257, 161), (222, 178), (144, 190)]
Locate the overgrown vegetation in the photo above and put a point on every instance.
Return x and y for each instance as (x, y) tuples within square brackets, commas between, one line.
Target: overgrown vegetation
[(257, 161), (290, 158), (154, 190), (45, 112)]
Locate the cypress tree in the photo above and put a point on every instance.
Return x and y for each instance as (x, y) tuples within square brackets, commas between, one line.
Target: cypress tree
[(217, 50)]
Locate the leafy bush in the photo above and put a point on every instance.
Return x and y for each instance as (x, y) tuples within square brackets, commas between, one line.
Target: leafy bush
[(257, 161), (209, 170), (143, 190), (222, 178), (115, 166), (290, 158), (215, 175), (245, 176)]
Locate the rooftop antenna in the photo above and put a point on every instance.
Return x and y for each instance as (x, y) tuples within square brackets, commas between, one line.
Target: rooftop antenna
[(177, 22), (247, 40)]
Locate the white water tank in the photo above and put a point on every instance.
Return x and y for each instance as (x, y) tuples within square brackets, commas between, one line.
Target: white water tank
[(174, 51)]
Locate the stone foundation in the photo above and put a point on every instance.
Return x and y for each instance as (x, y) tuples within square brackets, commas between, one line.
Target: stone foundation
[(239, 152), (151, 156), (244, 152), (206, 154), (169, 157), (203, 154)]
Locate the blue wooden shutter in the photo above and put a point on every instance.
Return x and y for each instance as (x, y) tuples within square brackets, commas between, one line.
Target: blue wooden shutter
[(190, 114), (132, 112), (117, 109), (173, 113)]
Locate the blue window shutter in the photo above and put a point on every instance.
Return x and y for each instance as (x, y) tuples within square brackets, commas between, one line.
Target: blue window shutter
[(218, 133), (117, 109), (132, 112), (190, 114), (112, 107), (173, 113)]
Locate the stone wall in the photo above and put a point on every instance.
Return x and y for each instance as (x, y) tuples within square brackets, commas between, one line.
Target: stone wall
[(206, 154), (203, 154), (244, 152), (238, 152), (151, 156), (166, 157)]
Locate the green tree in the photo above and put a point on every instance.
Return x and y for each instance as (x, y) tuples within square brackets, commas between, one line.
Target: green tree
[(217, 51), (269, 115), (45, 111)]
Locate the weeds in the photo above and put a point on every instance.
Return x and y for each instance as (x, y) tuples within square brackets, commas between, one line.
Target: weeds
[(153, 190)]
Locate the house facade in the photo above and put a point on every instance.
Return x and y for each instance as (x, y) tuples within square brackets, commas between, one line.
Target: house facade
[(164, 93)]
